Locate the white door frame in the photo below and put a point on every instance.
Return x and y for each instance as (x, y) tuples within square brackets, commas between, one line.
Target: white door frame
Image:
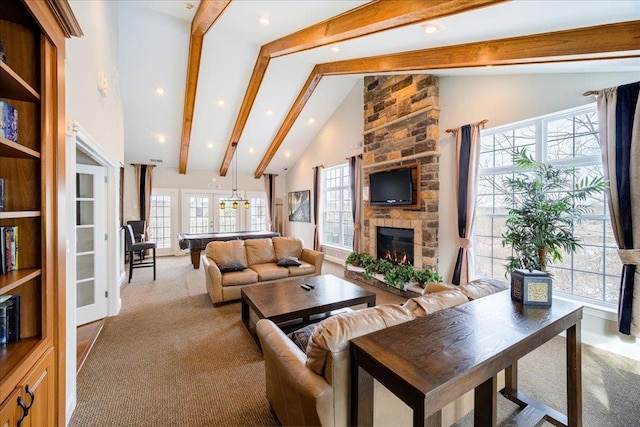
[(79, 139)]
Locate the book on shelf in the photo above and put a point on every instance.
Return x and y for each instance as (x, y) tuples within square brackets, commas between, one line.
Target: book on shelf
[(8, 122), (11, 305), (8, 249), (1, 194)]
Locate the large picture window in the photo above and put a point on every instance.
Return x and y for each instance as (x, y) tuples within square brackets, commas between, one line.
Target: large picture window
[(337, 220), (568, 139)]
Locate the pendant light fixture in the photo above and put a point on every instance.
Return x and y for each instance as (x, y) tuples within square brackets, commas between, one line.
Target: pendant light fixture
[(235, 198)]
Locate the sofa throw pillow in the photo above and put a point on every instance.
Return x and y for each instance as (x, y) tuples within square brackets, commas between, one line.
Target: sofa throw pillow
[(289, 261), (300, 337), (232, 266)]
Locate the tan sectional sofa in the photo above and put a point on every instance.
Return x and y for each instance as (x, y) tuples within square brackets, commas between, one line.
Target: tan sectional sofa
[(312, 388), (233, 265)]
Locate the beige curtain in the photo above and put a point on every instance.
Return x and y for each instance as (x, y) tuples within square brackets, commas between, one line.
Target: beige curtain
[(467, 157), (619, 121), (270, 189), (355, 171), (144, 187)]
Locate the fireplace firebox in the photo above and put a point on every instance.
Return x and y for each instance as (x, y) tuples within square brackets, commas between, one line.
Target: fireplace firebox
[(395, 244)]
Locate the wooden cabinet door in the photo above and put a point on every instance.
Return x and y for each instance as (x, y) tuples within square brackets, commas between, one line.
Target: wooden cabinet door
[(38, 393), (10, 411)]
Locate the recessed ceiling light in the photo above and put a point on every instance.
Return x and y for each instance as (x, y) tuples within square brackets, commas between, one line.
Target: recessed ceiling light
[(161, 138), (252, 150), (160, 90), (264, 20), (269, 112), (335, 48), (430, 28), (312, 121), (210, 145), (287, 153), (220, 102)]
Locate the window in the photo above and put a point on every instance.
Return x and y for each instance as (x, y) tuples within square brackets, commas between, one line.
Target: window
[(337, 219), (258, 213), (568, 139)]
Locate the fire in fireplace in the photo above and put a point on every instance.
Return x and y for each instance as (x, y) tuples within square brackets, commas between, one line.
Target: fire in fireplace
[(395, 244)]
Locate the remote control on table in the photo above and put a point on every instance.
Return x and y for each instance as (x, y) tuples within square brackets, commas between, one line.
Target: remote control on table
[(305, 287)]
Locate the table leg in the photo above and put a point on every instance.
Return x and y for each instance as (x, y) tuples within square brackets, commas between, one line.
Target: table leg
[(195, 258), (574, 376), (486, 403), (511, 381)]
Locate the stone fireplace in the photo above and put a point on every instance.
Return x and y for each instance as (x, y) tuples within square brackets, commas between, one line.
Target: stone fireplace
[(395, 245), (400, 128)]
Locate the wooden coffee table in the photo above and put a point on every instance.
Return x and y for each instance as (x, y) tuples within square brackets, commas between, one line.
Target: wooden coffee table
[(285, 301)]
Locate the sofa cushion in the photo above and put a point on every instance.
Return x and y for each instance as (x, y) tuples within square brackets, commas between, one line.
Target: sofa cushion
[(437, 287), (226, 252), (288, 261), (430, 303), (235, 278), (287, 246), (232, 266), (269, 271), (333, 334), (482, 287), (302, 269), (259, 251)]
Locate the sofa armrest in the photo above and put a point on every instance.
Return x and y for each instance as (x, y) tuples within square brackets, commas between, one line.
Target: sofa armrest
[(213, 279), (314, 258), (298, 395)]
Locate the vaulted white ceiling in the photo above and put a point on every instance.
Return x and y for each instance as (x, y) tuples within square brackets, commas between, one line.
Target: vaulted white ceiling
[(154, 43)]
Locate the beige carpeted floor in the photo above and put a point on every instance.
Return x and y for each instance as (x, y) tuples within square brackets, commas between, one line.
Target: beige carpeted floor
[(171, 359)]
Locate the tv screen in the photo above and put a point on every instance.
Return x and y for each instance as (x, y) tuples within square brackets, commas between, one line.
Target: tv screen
[(393, 187)]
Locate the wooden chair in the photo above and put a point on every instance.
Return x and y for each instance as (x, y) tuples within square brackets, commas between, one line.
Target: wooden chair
[(132, 247)]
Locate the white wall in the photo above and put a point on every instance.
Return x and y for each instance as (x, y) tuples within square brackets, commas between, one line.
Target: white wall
[(501, 100), (97, 50), (101, 117), (331, 147)]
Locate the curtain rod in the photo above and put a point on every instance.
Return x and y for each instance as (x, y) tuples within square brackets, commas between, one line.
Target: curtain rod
[(319, 166), (590, 92), (481, 123)]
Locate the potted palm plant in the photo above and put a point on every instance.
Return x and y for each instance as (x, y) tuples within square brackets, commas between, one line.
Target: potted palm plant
[(546, 205)]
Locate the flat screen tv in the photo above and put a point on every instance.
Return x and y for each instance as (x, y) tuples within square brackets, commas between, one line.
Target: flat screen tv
[(391, 188)]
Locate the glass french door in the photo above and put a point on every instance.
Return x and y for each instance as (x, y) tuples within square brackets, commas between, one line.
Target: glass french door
[(162, 230), (199, 213), (91, 286)]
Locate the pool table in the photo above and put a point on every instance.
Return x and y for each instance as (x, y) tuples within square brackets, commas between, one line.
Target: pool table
[(197, 242)]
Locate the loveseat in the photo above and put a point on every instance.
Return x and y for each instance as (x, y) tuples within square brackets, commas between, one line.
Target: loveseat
[(236, 264), (312, 388)]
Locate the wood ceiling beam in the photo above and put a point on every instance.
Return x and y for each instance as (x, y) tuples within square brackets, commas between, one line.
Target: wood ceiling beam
[(208, 12), (367, 19), (599, 42)]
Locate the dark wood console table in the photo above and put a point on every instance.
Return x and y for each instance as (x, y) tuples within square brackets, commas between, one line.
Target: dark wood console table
[(431, 361), (197, 242)]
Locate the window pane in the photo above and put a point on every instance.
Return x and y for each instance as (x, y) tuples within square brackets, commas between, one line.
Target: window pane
[(337, 222)]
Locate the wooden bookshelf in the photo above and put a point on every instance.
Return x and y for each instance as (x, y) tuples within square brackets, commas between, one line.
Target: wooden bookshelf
[(32, 82)]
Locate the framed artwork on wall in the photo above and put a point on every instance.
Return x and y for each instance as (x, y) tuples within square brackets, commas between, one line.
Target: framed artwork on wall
[(299, 206)]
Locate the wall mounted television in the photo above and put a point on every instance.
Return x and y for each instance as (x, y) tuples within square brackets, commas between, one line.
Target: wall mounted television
[(394, 187)]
